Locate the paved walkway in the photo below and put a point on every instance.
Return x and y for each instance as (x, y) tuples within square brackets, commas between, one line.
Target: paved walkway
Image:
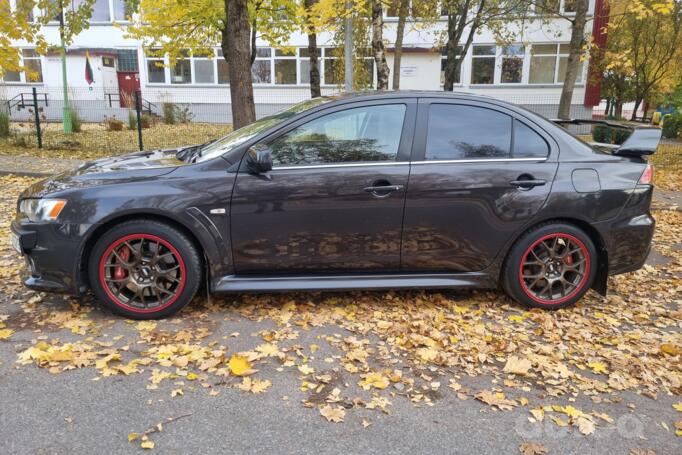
[(40, 167)]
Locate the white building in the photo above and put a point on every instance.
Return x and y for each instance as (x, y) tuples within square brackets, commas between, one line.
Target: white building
[(529, 71)]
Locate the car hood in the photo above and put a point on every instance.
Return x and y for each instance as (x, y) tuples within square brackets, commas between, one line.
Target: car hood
[(106, 171)]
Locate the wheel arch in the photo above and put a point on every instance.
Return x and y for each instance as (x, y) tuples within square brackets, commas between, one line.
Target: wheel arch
[(601, 278), (100, 229)]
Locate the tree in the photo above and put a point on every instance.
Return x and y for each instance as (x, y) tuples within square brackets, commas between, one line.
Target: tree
[(403, 11), (470, 17), (644, 46), (313, 50), (175, 27), (575, 50), (378, 44)]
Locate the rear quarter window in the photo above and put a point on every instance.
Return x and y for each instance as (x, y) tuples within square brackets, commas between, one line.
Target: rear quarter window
[(528, 143)]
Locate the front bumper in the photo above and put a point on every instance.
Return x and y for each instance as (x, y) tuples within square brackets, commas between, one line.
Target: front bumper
[(50, 252)]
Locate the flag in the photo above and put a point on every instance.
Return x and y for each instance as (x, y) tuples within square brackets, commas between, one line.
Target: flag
[(88, 69)]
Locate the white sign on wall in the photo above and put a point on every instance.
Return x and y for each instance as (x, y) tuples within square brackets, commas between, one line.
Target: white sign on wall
[(408, 71)]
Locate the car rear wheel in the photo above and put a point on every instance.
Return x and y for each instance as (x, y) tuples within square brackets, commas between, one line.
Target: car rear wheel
[(144, 269), (551, 266)]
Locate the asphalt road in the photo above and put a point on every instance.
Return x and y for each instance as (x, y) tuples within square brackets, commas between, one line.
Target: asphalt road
[(71, 413)]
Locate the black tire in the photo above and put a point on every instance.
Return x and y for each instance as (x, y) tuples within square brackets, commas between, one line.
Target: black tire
[(543, 279), (166, 276)]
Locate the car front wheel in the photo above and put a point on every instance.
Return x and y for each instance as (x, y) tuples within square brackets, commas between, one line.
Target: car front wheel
[(144, 269), (551, 266)]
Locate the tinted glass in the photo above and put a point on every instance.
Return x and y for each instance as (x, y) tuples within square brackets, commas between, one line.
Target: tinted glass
[(528, 143), (360, 134), (458, 132)]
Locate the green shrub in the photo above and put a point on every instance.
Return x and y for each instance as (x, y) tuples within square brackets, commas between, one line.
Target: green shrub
[(145, 120), (4, 124), (672, 125), (76, 122), (169, 114), (132, 120), (601, 134), (113, 124)]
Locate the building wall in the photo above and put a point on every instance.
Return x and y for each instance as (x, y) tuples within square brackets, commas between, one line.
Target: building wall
[(420, 70)]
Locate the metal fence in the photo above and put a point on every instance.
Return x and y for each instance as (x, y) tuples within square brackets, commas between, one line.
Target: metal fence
[(108, 122)]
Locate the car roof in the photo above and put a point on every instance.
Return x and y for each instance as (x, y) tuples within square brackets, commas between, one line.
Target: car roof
[(383, 94)]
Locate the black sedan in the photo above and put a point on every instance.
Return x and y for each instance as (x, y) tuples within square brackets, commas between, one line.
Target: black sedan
[(371, 191)]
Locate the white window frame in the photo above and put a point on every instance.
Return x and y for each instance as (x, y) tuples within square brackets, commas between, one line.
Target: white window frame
[(558, 54), (495, 57), (276, 57), (499, 60), (23, 80)]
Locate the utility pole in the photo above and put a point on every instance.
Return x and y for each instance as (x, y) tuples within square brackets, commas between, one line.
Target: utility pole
[(66, 111), (348, 49)]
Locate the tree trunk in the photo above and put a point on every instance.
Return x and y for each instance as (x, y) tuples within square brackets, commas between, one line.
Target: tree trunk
[(573, 64), (457, 22), (618, 112), (236, 44), (383, 72), (313, 52), (403, 9), (638, 102)]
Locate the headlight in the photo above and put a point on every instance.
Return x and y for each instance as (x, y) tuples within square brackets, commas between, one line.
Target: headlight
[(42, 209)]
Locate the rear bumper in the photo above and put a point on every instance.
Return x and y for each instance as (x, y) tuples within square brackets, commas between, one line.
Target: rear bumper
[(50, 252)]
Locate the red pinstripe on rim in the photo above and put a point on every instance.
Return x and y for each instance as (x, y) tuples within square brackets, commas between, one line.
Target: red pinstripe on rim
[(578, 287), (154, 238)]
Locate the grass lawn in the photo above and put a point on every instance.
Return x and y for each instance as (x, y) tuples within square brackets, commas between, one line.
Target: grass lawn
[(94, 141)]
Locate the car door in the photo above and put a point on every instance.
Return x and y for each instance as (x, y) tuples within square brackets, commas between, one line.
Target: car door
[(334, 200), (479, 173)]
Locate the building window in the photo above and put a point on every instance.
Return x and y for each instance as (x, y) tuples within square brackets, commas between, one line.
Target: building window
[(548, 64), (203, 69), (30, 59), (444, 64), (483, 64), (123, 10), (156, 72), (304, 64), (223, 69), (285, 67), (547, 7), (181, 71), (570, 5), (333, 72), (109, 62), (100, 10), (512, 64), (261, 70)]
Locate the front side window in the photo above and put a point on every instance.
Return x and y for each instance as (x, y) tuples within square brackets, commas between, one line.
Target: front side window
[(356, 135), (460, 132)]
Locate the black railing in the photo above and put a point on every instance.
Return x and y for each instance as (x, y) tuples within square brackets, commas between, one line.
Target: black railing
[(114, 100), (23, 100)]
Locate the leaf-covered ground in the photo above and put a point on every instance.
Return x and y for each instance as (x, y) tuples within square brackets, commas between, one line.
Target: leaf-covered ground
[(94, 141), (352, 359)]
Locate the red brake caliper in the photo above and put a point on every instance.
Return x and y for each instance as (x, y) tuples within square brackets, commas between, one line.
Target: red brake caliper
[(119, 272), (568, 260)]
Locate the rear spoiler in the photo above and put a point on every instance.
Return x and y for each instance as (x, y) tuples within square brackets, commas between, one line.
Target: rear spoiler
[(643, 140)]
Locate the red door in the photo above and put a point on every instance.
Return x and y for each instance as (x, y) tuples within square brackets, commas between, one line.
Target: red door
[(128, 82)]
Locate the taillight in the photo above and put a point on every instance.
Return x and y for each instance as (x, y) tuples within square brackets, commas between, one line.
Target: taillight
[(647, 177)]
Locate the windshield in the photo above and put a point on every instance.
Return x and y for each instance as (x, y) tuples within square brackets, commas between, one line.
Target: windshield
[(243, 134)]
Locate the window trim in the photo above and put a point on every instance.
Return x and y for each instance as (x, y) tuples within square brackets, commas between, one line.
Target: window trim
[(23, 80), (324, 113), (421, 128)]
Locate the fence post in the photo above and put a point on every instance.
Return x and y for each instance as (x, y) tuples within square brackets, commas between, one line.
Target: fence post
[(37, 115), (138, 109)]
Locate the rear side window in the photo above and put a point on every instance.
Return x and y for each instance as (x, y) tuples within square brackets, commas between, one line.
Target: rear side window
[(459, 132), (528, 143)]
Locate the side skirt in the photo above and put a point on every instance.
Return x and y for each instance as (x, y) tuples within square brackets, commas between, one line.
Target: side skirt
[(236, 283)]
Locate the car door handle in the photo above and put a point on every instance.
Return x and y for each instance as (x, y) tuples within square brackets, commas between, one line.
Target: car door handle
[(527, 183), (383, 188)]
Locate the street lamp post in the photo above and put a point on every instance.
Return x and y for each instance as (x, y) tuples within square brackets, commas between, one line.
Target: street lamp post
[(66, 111), (348, 49)]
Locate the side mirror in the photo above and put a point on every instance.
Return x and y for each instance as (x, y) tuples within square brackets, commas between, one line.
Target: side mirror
[(258, 159)]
